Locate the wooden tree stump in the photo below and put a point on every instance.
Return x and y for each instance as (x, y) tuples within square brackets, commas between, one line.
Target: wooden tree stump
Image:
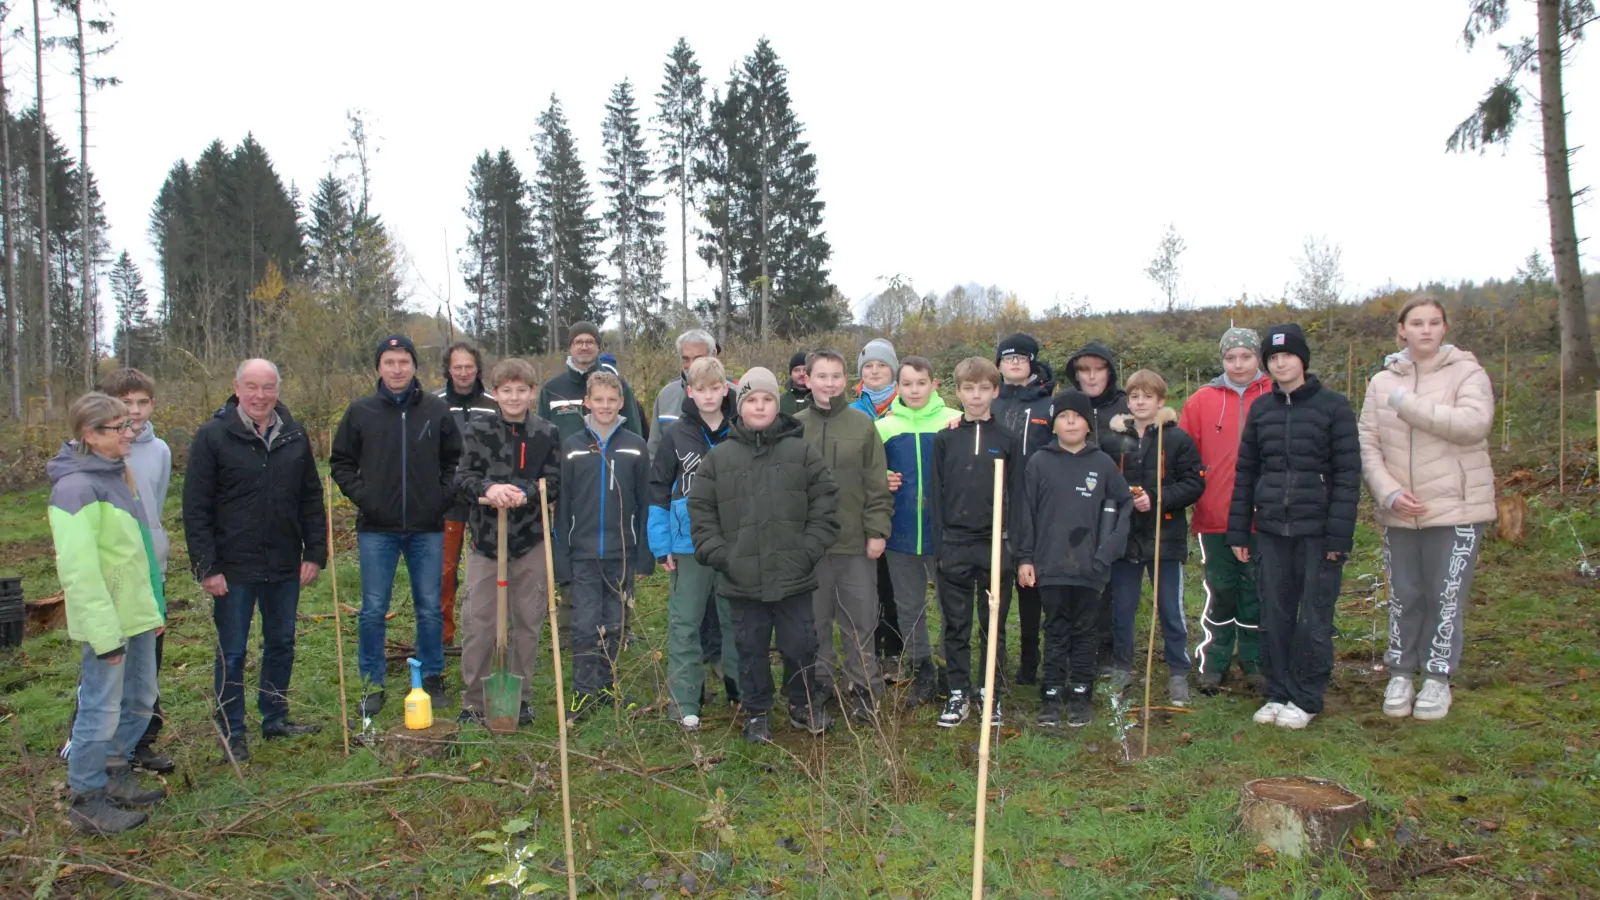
[(1299, 816), (437, 741)]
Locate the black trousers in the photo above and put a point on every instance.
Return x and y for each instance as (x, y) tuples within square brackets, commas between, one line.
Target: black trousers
[(711, 637), (1030, 611), (1299, 587), (1070, 614), (964, 593), (886, 640), (754, 624)]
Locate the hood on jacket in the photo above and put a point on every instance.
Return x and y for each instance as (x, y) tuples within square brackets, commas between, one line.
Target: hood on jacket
[(932, 414), (146, 434), (1055, 447), (691, 411), (1042, 384), (1099, 351), (783, 426), (1123, 423), (68, 461), (1449, 354), (1221, 381)]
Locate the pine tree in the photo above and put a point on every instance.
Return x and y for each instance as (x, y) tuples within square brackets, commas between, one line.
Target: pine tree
[(330, 235), (133, 308), (681, 120), (568, 238), (632, 220), (500, 260)]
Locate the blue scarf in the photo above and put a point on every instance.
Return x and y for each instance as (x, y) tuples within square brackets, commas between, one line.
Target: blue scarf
[(880, 398)]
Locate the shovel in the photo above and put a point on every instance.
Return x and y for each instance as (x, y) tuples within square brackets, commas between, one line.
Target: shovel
[(502, 691)]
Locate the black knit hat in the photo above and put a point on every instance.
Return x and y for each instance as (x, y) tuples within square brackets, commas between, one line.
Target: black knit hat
[(797, 360), (578, 328), (1072, 399), (395, 342), (1017, 345), (1286, 339)]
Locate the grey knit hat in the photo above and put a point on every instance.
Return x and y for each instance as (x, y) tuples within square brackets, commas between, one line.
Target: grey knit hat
[(756, 381), (1241, 337), (879, 350)]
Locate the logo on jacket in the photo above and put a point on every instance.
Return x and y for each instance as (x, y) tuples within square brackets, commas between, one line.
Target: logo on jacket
[(1089, 482)]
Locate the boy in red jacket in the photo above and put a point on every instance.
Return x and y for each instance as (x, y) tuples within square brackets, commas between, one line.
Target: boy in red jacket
[(1214, 416)]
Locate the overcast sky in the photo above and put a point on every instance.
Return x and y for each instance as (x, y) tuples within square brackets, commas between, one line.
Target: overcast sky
[(1041, 147)]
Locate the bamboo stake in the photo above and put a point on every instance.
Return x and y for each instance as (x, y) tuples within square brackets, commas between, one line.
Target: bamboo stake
[(561, 691), (1349, 375), (991, 641), (1561, 440), (1155, 606), (338, 625), (1505, 398)]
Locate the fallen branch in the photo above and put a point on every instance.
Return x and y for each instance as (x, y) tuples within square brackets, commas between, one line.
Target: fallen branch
[(608, 764), (1460, 862), (107, 870), (691, 764), (367, 785)]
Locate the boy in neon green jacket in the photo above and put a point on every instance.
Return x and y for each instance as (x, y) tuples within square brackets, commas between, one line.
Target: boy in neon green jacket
[(106, 561)]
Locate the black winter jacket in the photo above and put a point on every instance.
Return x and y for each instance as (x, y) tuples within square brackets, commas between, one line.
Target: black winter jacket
[(963, 490), (1024, 409), (1112, 402), (1072, 521), (605, 498), (561, 402), (1299, 471), (1182, 483), (467, 408), (395, 458), (251, 512), (762, 512), (494, 451)]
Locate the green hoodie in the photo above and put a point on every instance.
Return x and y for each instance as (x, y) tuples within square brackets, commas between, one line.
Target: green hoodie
[(849, 443), (105, 556)]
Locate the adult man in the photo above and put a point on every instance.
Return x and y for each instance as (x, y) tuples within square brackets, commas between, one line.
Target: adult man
[(798, 396), (692, 345), (464, 394), (253, 520), (395, 456), (561, 397)]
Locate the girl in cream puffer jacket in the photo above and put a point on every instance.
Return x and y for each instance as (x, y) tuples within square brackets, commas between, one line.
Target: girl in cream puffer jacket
[(1425, 456)]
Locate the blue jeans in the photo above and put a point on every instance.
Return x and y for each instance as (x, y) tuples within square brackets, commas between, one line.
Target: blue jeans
[(380, 556), (233, 613), (114, 703), (1127, 580)]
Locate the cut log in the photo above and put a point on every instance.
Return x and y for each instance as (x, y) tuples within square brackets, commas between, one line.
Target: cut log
[(47, 614), (437, 741), (1299, 816), (1510, 512)]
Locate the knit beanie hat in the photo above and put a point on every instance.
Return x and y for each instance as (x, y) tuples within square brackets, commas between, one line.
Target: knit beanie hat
[(757, 381), (1072, 399), (1240, 337), (878, 350), (1287, 339), (798, 359), (395, 342), (578, 328), (1017, 345)]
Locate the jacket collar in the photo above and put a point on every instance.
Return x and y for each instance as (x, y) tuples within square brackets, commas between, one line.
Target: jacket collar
[(1300, 394), (1123, 423), (931, 414)]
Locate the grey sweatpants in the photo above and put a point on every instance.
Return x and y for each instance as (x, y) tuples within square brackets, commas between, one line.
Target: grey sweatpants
[(847, 593), (526, 610), (1430, 577), (909, 574)]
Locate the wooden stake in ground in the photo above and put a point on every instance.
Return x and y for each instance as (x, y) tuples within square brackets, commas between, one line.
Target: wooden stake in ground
[(1155, 604), (561, 691), (1505, 398), (338, 625), (1350, 373), (991, 641)]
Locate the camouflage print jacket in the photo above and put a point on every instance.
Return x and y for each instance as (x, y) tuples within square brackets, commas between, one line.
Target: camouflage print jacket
[(495, 451)]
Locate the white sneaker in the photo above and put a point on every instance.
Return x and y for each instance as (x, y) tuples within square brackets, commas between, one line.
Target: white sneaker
[(1292, 716), (690, 723), (1268, 714), (1433, 701), (1397, 697)]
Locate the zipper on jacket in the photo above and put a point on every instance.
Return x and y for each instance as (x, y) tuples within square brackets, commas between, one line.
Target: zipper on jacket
[(1411, 442), (919, 493), (602, 553), (1288, 466), (405, 475)]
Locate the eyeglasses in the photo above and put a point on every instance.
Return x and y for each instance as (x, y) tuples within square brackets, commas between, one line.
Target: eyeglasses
[(126, 427), (1014, 358)]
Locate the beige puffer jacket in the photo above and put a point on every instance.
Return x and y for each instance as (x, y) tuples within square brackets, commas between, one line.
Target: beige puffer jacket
[(1434, 442)]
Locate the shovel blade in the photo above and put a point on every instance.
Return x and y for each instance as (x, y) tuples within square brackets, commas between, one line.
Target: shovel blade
[(502, 695)]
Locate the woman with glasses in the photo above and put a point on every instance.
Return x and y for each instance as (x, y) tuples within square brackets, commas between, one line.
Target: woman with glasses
[(106, 562)]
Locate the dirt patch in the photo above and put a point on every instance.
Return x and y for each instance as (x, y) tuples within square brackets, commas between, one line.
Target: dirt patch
[(22, 551)]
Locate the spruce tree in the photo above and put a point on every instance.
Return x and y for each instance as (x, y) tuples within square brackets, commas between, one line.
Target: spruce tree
[(330, 235), (633, 223), (133, 308), (568, 237), (681, 121), (500, 260)]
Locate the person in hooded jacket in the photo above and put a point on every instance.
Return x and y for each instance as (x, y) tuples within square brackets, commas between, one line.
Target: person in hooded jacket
[(1152, 452), (394, 455), (1093, 371), (469, 401), (561, 397), (1023, 409), (798, 396), (1425, 454), (1214, 418), (1298, 483)]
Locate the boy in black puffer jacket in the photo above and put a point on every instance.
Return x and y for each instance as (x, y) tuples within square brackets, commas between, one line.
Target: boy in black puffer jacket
[(1023, 409), (1298, 484), (1136, 443), (762, 513)]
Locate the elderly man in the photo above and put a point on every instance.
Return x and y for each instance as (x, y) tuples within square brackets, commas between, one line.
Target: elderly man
[(692, 345), (395, 456), (464, 394), (253, 520), (561, 397)]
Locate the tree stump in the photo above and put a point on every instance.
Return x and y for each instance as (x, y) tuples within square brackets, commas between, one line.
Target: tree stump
[(437, 741), (1299, 816)]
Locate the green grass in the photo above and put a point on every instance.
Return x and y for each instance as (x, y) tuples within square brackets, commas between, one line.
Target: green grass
[(1512, 776)]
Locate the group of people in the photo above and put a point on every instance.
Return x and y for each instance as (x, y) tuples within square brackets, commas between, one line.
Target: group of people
[(790, 515)]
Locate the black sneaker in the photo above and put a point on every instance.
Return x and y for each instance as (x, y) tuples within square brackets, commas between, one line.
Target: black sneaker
[(1050, 709), (1211, 683), (371, 704), (581, 705), (470, 716), (434, 685), (147, 759), (618, 699), (525, 715), (995, 718), (731, 686), (288, 729), (757, 730), (860, 704), (1028, 675), (1080, 706), (237, 748), (925, 682), (813, 721), (955, 710)]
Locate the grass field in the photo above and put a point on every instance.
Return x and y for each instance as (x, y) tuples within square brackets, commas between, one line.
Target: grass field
[(1508, 787)]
